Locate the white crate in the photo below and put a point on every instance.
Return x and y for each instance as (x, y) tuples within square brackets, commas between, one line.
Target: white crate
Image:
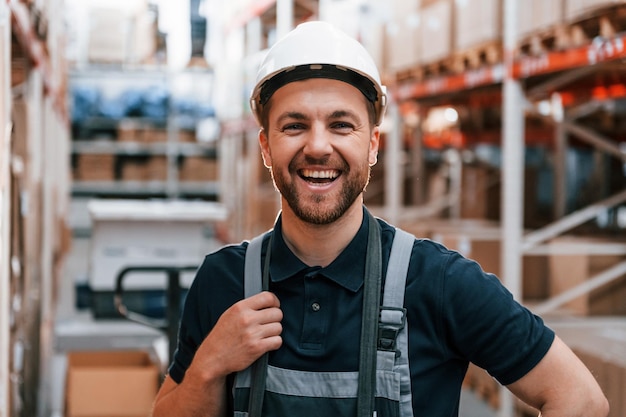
[(137, 232)]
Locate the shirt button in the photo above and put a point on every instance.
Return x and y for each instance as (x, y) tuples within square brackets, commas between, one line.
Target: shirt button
[(315, 307)]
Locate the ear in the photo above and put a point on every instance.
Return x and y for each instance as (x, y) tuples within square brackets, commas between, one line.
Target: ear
[(374, 144), (265, 149)]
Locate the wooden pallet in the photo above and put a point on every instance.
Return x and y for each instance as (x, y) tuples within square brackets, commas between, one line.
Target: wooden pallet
[(488, 53), (554, 38), (603, 23), (409, 74), (438, 68), (421, 72)]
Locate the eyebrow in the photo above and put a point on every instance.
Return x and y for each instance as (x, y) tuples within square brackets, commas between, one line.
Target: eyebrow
[(339, 114), (291, 115)]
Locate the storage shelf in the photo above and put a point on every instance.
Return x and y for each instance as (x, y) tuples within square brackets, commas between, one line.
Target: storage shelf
[(596, 52), (150, 148), (110, 147), (144, 188)]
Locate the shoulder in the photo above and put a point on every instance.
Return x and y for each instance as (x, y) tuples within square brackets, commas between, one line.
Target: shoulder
[(226, 256), (221, 268)]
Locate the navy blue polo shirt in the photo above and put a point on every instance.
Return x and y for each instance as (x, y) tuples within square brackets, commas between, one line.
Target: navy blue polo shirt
[(456, 313)]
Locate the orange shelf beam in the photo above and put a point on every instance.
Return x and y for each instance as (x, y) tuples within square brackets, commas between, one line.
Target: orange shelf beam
[(524, 67)]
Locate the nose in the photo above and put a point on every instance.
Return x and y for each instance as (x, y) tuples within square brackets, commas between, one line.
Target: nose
[(318, 142)]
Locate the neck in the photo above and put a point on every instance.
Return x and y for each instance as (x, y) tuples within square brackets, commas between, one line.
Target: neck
[(319, 245)]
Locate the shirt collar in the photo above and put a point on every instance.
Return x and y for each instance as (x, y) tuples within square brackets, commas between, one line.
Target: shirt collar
[(346, 270)]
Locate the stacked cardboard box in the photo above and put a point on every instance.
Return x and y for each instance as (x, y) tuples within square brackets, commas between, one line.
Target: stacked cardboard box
[(186, 136), (156, 168), (133, 170), (570, 270), (153, 135), (95, 167), (198, 168)]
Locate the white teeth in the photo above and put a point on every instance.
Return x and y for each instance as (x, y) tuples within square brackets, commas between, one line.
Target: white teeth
[(329, 174)]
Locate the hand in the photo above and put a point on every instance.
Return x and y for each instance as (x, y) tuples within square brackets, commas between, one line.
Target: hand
[(243, 333)]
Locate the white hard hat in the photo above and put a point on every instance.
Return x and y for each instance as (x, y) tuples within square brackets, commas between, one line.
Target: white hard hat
[(318, 50)]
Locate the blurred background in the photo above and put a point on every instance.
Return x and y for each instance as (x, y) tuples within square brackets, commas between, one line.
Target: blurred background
[(129, 151)]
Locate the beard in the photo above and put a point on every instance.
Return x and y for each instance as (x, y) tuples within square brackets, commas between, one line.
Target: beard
[(322, 209)]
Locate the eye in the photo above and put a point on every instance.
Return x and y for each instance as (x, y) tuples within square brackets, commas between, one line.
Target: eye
[(293, 128), (342, 127)]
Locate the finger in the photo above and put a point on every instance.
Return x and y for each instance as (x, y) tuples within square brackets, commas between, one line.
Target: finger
[(270, 330), (269, 315), (272, 343), (262, 300)]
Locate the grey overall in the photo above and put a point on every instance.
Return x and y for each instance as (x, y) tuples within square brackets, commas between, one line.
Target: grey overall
[(297, 393)]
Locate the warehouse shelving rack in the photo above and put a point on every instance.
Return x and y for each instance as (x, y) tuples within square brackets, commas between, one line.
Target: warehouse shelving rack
[(562, 78), (34, 182), (170, 147), (554, 71)]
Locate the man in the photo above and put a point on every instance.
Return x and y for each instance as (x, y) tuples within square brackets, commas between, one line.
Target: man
[(320, 102)]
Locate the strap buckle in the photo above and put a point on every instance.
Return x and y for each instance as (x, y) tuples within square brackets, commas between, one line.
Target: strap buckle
[(391, 321)]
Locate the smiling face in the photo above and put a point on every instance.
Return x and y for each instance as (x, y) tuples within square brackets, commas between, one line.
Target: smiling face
[(319, 144)]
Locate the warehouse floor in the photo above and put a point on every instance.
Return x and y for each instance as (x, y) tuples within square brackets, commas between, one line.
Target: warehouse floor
[(74, 332)]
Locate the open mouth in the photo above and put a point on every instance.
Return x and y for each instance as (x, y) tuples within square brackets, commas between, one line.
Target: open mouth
[(319, 176)]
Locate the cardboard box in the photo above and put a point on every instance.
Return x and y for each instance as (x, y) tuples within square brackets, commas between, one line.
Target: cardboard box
[(198, 168), (110, 384), (134, 170), (568, 271), (95, 167)]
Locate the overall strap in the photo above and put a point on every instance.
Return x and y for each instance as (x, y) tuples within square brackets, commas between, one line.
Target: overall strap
[(252, 268), (256, 279), (369, 322), (393, 351), (397, 269)]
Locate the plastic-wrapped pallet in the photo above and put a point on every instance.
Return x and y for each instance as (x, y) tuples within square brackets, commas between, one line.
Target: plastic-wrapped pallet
[(576, 9), (539, 15), (476, 22), (402, 37), (436, 30)]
